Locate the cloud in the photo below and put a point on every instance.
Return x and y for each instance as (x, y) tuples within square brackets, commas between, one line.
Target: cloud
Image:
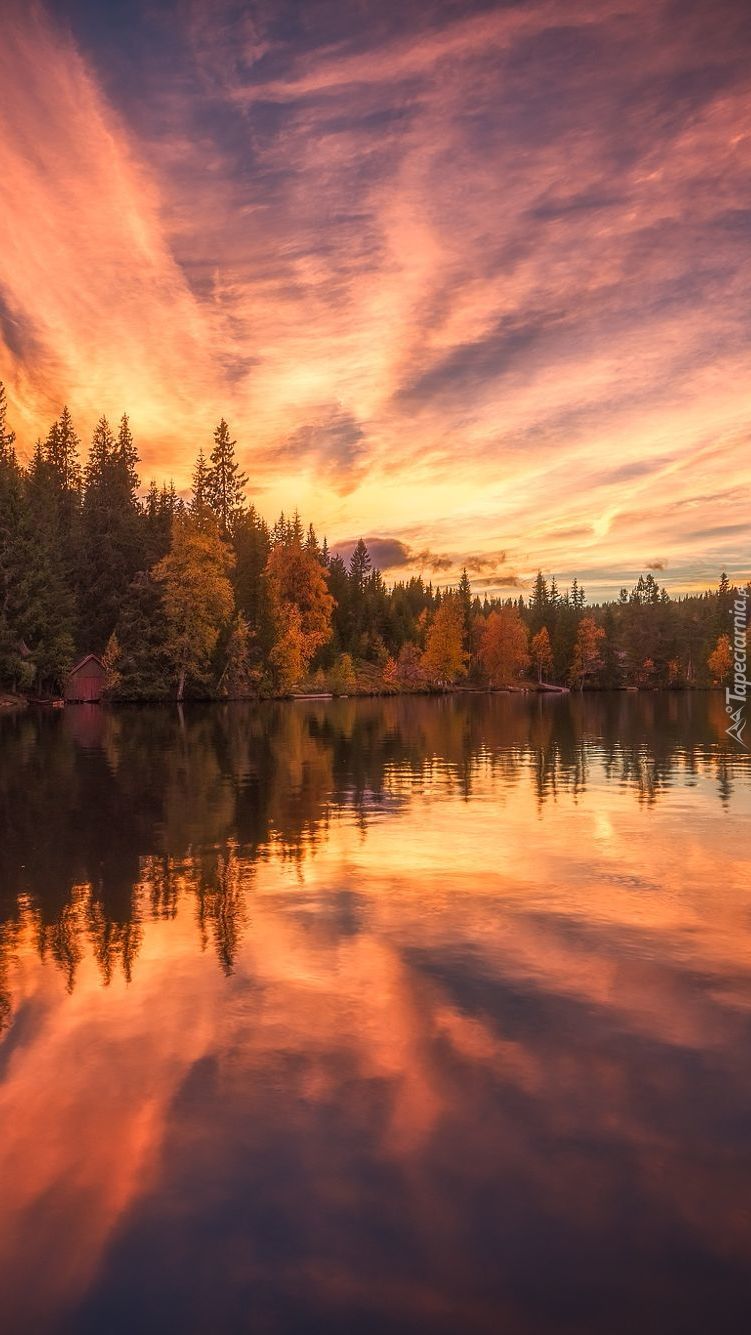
[(656, 565), (385, 553), (481, 269), (333, 442)]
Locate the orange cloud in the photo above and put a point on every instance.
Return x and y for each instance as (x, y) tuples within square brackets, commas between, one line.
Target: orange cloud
[(470, 284)]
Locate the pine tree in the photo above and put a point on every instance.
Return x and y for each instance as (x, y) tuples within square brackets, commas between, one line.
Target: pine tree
[(62, 450), (144, 665), (13, 556), (7, 437), (359, 568), (112, 538), (252, 544), (125, 457), (49, 611), (465, 598), (225, 483), (359, 565), (538, 603)]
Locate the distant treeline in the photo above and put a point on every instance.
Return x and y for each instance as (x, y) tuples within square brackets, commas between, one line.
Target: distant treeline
[(204, 598)]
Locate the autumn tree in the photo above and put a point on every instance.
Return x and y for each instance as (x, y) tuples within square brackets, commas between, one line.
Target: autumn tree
[(445, 658), (587, 660), (503, 646), (197, 598), (299, 608), (408, 671), (541, 653), (720, 661), (342, 678)]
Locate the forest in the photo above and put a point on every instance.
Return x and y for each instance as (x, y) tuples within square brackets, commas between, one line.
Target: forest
[(202, 598)]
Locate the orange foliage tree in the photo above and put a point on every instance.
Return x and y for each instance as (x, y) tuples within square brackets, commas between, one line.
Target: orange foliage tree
[(409, 666), (445, 658), (300, 608), (503, 646), (587, 659)]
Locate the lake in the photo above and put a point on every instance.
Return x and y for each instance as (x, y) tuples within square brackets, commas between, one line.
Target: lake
[(408, 1015)]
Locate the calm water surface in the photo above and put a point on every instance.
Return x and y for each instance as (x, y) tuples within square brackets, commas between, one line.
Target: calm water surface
[(410, 1016)]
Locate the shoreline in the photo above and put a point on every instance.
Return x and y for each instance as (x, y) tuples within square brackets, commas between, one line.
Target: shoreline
[(10, 704)]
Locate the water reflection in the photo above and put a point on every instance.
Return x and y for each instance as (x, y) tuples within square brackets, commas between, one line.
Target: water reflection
[(473, 1057)]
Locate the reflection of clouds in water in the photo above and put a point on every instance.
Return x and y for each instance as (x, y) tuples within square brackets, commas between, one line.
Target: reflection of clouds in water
[(135, 806), (474, 967)]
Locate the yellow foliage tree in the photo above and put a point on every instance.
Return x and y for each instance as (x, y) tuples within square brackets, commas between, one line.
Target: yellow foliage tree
[(288, 657), (541, 653), (111, 664), (445, 659), (197, 596), (503, 649), (342, 677), (720, 661)]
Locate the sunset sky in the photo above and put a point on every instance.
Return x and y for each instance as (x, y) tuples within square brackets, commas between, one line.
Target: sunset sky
[(469, 279)]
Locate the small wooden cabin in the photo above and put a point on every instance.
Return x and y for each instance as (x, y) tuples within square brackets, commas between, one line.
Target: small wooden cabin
[(85, 682)]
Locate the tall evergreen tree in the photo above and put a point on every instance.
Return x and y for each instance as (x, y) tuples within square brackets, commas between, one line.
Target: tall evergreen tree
[(62, 452), (252, 544), (465, 600), (112, 533), (125, 456), (49, 612), (7, 437), (225, 483)]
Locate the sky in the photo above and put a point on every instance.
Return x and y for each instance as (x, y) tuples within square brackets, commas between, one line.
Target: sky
[(467, 279)]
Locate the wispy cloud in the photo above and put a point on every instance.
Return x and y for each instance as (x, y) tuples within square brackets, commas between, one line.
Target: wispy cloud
[(472, 280)]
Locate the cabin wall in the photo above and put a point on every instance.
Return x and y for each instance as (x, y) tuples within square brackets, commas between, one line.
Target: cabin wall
[(85, 687)]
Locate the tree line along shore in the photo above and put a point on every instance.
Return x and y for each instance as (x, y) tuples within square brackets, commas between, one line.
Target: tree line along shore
[(204, 599)]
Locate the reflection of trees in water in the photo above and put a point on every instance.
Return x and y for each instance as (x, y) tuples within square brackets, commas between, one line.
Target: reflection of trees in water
[(108, 817)]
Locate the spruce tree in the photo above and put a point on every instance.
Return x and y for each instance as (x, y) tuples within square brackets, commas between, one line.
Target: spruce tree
[(7, 437), (112, 536), (125, 457), (49, 621), (465, 599), (252, 544), (225, 483)]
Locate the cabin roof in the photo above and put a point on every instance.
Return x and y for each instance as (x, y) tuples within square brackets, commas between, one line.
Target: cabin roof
[(88, 658)]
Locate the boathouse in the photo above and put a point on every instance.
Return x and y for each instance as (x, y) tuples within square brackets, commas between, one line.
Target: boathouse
[(85, 682)]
